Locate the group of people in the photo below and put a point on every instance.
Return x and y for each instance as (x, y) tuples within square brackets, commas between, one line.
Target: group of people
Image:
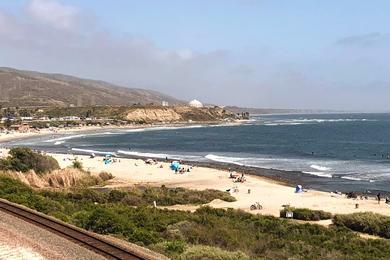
[(237, 177), (379, 196), (183, 169)]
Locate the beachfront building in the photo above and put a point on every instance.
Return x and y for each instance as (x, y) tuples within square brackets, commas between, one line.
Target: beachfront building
[(195, 103)]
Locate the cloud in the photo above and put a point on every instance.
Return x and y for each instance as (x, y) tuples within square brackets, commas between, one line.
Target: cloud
[(53, 13), (365, 40), (49, 36), (7, 23)]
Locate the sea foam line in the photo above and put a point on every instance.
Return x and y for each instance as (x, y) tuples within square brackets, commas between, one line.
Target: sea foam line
[(89, 151)]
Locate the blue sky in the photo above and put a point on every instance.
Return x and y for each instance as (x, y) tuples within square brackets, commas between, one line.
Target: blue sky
[(213, 49)]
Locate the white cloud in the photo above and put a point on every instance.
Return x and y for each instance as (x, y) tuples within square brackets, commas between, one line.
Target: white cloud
[(53, 13), (53, 37), (7, 24)]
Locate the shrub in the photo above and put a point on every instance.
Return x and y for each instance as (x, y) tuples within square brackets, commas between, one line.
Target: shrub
[(171, 248), (24, 159), (77, 164), (366, 222), (306, 214), (105, 176), (102, 221), (208, 252), (207, 233)]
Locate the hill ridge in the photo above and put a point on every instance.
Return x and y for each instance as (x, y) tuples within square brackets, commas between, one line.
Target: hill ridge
[(27, 88)]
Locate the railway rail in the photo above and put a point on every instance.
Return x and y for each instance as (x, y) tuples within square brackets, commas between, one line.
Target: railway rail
[(92, 241)]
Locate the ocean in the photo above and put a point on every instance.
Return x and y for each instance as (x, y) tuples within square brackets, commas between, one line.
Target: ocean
[(351, 149)]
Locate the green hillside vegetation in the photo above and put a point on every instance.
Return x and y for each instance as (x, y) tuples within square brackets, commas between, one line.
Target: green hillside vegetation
[(365, 222), (205, 234), (24, 159)]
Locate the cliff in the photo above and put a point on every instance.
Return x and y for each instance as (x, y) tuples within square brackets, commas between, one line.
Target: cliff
[(177, 114)]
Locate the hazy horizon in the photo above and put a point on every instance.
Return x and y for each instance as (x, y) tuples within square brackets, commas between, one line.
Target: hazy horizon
[(329, 55)]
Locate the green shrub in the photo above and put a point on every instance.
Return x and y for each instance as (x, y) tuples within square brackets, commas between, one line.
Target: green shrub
[(207, 233), (207, 252), (366, 222), (77, 164), (171, 248), (306, 214), (171, 196), (24, 159)]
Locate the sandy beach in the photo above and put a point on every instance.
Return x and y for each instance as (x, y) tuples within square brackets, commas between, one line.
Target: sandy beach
[(270, 194)]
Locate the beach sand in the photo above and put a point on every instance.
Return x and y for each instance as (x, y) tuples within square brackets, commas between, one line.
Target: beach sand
[(270, 194)]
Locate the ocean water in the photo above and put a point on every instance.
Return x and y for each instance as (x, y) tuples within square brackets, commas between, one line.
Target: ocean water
[(348, 147)]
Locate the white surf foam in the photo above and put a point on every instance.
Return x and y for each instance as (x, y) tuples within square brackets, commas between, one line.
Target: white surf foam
[(319, 174), (64, 138), (302, 121), (159, 155), (320, 168), (217, 158), (155, 155), (351, 178), (163, 128), (89, 151)]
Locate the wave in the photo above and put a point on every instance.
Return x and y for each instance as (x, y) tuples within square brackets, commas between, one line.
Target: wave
[(312, 121), (320, 174), (155, 155), (89, 151), (159, 155), (224, 159), (320, 168), (64, 138), (163, 128), (351, 178), (59, 142)]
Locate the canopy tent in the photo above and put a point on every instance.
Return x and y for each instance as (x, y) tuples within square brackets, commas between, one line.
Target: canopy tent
[(175, 165), (298, 189)]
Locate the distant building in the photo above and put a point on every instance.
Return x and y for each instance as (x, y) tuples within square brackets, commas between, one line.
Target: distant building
[(195, 103), (165, 104)]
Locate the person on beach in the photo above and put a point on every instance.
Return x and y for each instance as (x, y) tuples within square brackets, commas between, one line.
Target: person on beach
[(378, 196)]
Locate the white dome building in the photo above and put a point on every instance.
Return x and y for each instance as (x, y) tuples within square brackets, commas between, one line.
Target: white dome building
[(195, 103)]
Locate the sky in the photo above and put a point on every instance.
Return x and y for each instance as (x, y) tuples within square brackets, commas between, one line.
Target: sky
[(323, 54)]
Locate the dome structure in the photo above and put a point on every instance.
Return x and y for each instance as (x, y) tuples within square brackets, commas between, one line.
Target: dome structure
[(195, 103)]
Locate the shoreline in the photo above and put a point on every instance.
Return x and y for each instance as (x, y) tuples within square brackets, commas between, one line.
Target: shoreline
[(15, 136), (283, 177), (271, 193)]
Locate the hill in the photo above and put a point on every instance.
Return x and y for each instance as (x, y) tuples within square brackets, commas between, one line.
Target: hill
[(142, 114), (31, 89)]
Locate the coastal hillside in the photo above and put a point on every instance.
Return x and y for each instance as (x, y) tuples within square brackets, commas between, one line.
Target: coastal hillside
[(144, 114), (33, 89)]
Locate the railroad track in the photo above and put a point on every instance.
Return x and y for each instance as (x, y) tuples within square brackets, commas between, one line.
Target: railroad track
[(90, 240)]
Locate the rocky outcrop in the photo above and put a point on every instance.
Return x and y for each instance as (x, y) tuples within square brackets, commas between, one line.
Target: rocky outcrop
[(177, 114), (153, 115)]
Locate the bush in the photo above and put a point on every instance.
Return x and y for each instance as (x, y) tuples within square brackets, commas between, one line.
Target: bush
[(366, 222), (77, 164), (105, 176), (207, 233), (306, 214), (24, 159), (171, 196), (171, 248), (208, 252)]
